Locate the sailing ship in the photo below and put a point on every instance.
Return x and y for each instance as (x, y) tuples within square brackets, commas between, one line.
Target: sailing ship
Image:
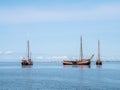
[(81, 61), (99, 62), (27, 61)]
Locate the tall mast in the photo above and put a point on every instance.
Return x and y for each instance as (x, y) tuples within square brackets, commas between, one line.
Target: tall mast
[(81, 50), (28, 49), (98, 50)]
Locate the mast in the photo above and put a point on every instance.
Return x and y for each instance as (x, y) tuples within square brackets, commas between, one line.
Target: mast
[(81, 50), (30, 55), (98, 50), (99, 62), (28, 49)]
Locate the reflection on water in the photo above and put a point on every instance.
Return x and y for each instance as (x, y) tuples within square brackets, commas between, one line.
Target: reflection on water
[(27, 76), (84, 66), (99, 66), (76, 66), (26, 66)]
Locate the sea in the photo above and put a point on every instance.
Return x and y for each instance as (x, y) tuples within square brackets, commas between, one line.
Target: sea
[(56, 76)]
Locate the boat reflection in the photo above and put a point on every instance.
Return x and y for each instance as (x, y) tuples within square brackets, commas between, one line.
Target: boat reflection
[(26, 66), (76, 66), (99, 66), (27, 76), (84, 66)]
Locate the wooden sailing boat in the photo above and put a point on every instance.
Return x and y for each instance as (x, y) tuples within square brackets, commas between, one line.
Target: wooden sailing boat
[(99, 62), (27, 61), (81, 61)]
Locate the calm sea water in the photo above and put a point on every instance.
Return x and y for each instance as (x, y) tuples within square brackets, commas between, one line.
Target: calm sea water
[(55, 76)]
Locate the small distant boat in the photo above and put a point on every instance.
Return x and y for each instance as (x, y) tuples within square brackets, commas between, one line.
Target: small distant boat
[(27, 61), (99, 62), (81, 61)]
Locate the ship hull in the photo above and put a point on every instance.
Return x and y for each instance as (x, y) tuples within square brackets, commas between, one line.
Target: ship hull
[(83, 62), (99, 62), (26, 62), (69, 63)]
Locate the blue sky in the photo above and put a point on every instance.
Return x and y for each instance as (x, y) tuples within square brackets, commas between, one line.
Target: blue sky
[(55, 27)]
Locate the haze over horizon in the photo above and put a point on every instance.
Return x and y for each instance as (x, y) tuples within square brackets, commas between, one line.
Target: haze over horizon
[(55, 27)]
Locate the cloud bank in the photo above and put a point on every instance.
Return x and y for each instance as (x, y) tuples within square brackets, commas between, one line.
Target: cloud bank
[(52, 57)]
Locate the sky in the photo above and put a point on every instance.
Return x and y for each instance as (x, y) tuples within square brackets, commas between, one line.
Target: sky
[(54, 28)]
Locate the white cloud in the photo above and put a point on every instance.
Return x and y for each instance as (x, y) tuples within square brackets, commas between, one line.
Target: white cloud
[(6, 52), (52, 57), (24, 14), (40, 57), (59, 57), (75, 57), (64, 57)]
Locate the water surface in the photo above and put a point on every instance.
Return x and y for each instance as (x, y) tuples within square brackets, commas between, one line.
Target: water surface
[(55, 76)]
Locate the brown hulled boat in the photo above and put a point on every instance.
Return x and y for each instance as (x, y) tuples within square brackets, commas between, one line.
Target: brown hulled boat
[(99, 62), (81, 61), (27, 61)]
